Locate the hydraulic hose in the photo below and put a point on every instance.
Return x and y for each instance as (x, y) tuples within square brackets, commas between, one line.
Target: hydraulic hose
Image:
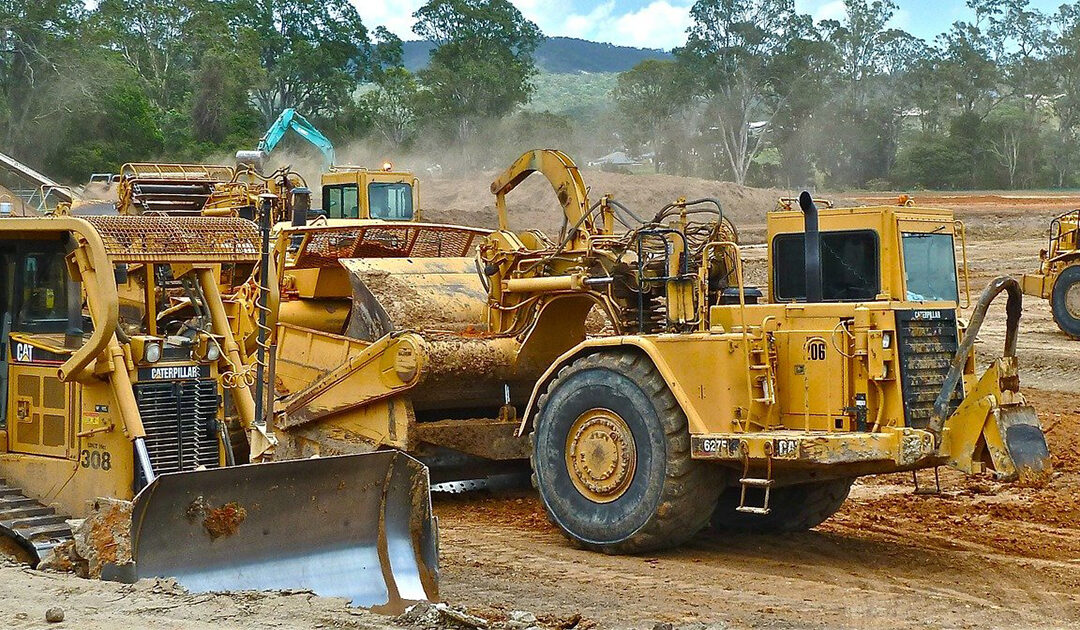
[(1013, 309)]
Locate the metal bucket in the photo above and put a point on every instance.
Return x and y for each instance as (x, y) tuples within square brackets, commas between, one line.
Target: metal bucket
[(355, 526), (424, 294)]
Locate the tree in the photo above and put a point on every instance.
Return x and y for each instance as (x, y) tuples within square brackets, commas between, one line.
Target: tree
[(968, 69), (646, 97), (732, 47), (866, 48), (150, 36), (40, 46), (482, 66), (865, 121), (392, 105), (220, 103), (311, 53), (1020, 39), (1065, 66)]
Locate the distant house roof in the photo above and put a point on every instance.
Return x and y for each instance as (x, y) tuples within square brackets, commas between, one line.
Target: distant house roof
[(618, 158)]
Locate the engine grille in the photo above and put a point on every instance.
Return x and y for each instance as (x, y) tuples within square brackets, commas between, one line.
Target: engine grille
[(927, 344), (180, 418)]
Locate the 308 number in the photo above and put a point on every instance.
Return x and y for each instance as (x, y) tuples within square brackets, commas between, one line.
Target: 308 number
[(98, 460)]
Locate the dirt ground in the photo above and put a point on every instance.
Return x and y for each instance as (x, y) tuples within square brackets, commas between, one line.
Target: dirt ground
[(980, 554)]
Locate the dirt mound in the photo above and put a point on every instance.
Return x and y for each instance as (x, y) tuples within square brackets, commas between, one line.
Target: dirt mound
[(534, 205)]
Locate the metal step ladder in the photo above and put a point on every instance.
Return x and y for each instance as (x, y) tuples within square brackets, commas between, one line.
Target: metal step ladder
[(34, 526), (746, 482)]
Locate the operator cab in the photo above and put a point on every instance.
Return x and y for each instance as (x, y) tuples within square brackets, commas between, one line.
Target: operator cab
[(358, 193), (868, 253), (41, 319)]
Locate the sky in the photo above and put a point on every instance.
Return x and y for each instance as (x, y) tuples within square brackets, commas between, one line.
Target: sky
[(663, 23)]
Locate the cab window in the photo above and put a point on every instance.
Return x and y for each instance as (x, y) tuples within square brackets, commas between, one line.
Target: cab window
[(850, 266), (929, 267), (40, 296), (390, 201), (341, 201)]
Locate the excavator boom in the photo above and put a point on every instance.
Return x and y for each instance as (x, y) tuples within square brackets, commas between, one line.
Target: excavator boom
[(291, 119)]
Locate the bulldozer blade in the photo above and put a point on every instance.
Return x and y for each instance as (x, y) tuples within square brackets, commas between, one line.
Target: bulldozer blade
[(355, 526), (1024, 439)]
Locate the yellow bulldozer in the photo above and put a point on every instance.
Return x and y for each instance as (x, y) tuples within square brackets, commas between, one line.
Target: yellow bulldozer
[(651, 390), (121, 377), (1058, 277)]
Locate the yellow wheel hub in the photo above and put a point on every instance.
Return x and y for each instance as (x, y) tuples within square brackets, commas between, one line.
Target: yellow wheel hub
[(1072, 300), (600, 455)]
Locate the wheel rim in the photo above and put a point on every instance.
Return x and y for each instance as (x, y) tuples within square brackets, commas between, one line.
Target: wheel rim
[(601, 455), (1072, 300)]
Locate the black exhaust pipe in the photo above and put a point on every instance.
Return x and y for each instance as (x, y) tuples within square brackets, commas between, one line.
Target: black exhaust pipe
[(812, 250)]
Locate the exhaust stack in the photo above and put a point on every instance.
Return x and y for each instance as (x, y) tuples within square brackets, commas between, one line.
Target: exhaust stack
[(812, 243)]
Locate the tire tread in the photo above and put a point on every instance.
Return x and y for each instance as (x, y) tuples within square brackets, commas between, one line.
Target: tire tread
[(688, 484)]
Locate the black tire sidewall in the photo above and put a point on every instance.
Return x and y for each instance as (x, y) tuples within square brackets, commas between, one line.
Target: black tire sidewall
[(583, 519), (1068, 277)]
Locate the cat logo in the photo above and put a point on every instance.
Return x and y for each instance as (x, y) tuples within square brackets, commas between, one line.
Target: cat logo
[(24, 352)]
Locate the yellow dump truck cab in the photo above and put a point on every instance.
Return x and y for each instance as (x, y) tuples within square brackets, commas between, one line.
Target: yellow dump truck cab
[(876, 253), (1058, 277), (354, 192)]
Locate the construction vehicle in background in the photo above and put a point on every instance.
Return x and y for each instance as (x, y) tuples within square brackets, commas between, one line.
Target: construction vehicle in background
[(347, 192), (289, 119), (169, 189), (121, 377), (356, 192), (1058, 277), (698, 400)]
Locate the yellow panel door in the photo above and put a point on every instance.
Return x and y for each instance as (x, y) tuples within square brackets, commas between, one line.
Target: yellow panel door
[(38, 414)]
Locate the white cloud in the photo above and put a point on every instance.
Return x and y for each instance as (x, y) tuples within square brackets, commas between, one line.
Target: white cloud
[(395, 15), (834, 10), (658, 25), (584, 26)]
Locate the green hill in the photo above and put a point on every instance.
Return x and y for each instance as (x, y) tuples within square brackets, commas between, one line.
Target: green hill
[(559, 55)]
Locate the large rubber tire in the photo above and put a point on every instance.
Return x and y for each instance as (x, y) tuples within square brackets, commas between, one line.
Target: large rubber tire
[(791, 508), (1067, 312), (663, 504)]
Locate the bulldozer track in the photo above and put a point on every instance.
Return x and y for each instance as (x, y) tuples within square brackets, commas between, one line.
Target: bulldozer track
[(34, 526)]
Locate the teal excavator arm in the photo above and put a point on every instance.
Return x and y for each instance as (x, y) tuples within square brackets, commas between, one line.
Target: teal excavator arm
[(290, 119)]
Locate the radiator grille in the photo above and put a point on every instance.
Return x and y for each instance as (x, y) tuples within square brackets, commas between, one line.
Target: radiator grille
[(927, 344), (180, 418)]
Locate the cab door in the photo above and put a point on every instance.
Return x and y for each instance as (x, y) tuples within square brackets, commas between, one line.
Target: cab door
[(39, 414)]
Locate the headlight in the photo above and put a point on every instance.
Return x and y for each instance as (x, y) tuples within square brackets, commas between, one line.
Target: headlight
[(886, 340), (212, 352), (152, 352)]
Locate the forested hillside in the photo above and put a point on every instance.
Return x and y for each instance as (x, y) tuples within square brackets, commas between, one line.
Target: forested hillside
[(557, 55)]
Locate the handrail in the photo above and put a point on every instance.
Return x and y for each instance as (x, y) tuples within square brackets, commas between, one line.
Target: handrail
[(963, 250)]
